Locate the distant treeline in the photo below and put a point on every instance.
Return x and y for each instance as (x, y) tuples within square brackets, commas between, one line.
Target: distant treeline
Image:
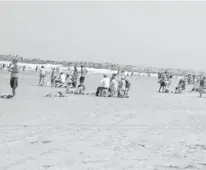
[(111, 66)]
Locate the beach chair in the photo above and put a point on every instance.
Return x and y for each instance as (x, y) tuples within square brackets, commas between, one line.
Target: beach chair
[(122, 93), (113, 94), (104, 93)]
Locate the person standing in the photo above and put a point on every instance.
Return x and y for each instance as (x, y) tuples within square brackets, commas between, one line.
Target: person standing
[(75, 77), (36, 69), (202, 86), (52, 77), (83, 73), (42, 75), (23, 69), (162, 82), (14, 76)]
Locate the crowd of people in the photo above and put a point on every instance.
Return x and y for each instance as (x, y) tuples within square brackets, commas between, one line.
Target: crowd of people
[(118, 85), (198, 82)]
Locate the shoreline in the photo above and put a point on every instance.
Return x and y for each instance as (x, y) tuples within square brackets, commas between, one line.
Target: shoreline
[(49, 67)]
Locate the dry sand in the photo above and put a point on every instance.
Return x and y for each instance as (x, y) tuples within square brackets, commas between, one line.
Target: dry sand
[(148, 131)]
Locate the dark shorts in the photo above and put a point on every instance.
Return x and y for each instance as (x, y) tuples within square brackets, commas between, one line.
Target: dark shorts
[(163, 84), (74, 83), (14, 82), (81, 80), (42, 76)]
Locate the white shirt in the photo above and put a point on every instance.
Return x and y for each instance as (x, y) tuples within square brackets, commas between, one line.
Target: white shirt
[(63, 78), (42, 72), (114, 85), (14, 70), (105, 82)]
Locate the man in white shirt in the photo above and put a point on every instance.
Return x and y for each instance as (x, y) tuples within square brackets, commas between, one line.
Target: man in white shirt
[(104, 84)]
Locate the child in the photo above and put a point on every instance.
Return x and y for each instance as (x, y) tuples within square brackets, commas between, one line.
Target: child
[(81, 88), (14, 76), (162, 82)]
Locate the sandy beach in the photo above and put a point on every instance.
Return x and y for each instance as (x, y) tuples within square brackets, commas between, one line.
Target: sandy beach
[(148, 131)]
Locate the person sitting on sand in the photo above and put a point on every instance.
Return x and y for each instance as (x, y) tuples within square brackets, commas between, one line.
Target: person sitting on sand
[(5, 96), (104, 85), (55, 94), (61, 80), (58, 80), (69, 87), (81, 89), (196, 86), (42, 75), (181, 86), (202, 86)]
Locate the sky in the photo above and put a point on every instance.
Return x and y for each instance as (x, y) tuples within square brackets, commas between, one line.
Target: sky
[(158, 34)]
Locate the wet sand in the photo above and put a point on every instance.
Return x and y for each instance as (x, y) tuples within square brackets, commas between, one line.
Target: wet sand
[(148, 131)]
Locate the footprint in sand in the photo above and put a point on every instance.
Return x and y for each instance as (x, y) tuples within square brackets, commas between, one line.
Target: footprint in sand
[(46, 141), (34, 142)]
